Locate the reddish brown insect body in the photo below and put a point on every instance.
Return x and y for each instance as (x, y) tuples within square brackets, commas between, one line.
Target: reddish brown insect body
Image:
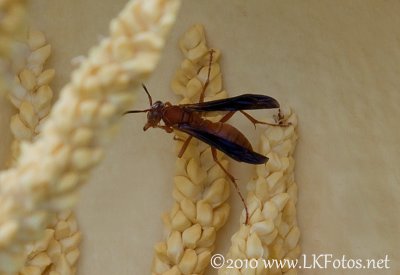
[(173, 116), (219, 135)]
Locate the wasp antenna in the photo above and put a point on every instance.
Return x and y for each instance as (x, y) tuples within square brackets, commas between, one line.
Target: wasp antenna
[(148, 94), (136, 111)]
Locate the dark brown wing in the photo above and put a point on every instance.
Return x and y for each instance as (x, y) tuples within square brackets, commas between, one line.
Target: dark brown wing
[(241, 102), (233, 150)]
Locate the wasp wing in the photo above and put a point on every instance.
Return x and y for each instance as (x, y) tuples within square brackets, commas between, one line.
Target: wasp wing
[(241, 102), (233, 150)]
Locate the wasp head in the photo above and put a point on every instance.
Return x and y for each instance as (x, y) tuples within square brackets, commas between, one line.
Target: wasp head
[(154, 115)]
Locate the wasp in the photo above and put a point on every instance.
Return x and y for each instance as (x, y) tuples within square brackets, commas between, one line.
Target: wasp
[(189, 118)]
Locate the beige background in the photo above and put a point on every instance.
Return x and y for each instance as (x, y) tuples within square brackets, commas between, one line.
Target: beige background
[(337, 63)]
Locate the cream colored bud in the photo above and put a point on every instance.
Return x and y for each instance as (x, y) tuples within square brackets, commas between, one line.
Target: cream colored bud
[(280, 200), (42, 98), (294, 253), (46, 77), (283, 229), (195, 173), (71, 242), (159, 267), (31, 270), (221, 215), (207, 237), (215, 172), (62, 230), (41, 260), (292, 238), (268, 239), (284, 148), (106, 110), (39, 56), (214, 87), (203, 259), (197, 52), (273, 179), (274, 134), (173, 271), (193, 87), (187, 187), (270, 210), (188, 261), (192, 38), (19, 129), (180, 222), (27, 115), (217, 193), (215, 72), (36, 39), (62, 266), (204, 213), (43, 243), (175, 247), (191, 235), (54, 250), (118, 28), (264, 227), (84, 158), (67, 182), (28, 79), (274, 163), (254, 247), (262, 188), (87, 110), (189, 69), (161, 251), (72, 222), (8, 231), (189, 209), (72, 256)]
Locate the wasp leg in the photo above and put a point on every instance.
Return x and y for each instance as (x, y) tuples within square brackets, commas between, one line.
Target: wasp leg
[(227, 116), (214, 154), (166, 128), (255, 121), (208, 78), (178, 138), (280, 119), (184, 146)]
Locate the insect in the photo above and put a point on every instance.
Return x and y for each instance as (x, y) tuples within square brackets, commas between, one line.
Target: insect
[(188, 118)]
